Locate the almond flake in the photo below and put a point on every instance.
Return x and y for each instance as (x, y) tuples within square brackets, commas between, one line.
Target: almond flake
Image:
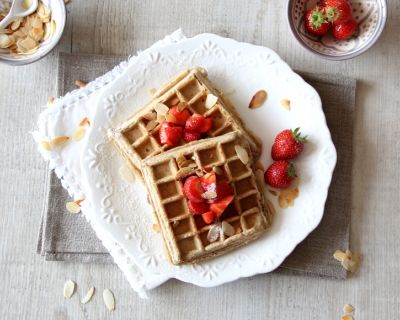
[(242, 154), (78, 134), (152, 91), (214, 233), (228, 229), (347, 317), (181, 106), (151, 125), (339, 255), (73, 207), (258, 99), (88, 296), (126, 174), (209, 195), (211, 100), (150, 116), (69, 289), (348, 308), (45, 145), (51, 100), (287, 197), (84, 121), (58, 141), (160, 118), (218, 170), (156, 227), (199, 173), (183, 173), (161, 109), (15, 24), (80, 83), (108, 298), (286, 104)]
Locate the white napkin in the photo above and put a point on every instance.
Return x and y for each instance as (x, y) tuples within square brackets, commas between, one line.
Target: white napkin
[(62, 118)]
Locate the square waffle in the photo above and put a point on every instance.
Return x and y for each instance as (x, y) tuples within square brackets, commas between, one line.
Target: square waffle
[(137, 138), (186, 235)]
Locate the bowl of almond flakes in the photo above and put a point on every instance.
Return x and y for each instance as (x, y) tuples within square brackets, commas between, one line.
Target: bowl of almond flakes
[(30, 38)]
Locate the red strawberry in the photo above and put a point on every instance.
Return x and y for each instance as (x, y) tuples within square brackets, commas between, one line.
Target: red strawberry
[(208, 217), (288, 145), (198, 207), (339, 13), (209, 181), (193, 190), (179, 117), (198, 123), (189, 135), (219, 206), (169, 134), (332, 3), (346, 30), (223, 190), (316, 21), (280, 174)]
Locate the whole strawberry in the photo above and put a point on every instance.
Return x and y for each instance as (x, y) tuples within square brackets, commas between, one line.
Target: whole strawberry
[(338, 13), (288, 145), (316, 21), (280, 174), (346, 30)]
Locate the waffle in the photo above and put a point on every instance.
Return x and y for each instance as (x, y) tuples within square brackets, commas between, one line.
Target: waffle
[(185, 234), (137, 139)]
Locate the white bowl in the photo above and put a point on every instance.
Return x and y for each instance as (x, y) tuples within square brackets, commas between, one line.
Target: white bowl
[(371, 18), (58, 14)]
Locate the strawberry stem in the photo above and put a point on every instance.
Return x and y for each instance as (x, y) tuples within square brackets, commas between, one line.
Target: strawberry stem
[(291, 171), (297, 136)]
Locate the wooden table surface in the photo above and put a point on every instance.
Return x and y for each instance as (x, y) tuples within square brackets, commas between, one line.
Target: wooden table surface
[(32, 288)]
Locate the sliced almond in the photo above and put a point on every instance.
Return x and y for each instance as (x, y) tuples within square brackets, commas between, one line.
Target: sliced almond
[(347, 317), (126, 174), (5, 41), (80, 83), (199, 173), (109, 300), (73, 207), (84, 121), (183, 173), (58, 141), (69, 289), (242, 154), (258, 99), (209, 195), (150, 116), (78, 134), (151, 125), (152, 91), (27, 44), (160, 118), (286, 104), (348, 308), (15, 24), (47, 31), (45, 145), (339, 255), (228, 229), (88, 296), (286, 197), (211, 100), (51, 100), (156, 227), (218, 170), (214, 233), (161, 109)]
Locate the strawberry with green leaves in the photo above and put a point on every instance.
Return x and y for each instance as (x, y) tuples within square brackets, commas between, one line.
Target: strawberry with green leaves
[(288, 144), (280, 174), (316, 21)]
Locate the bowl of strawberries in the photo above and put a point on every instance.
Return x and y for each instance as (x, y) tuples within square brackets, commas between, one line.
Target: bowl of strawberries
[(337, 29)]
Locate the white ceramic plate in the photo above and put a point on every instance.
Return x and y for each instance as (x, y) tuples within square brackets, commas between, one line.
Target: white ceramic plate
[(120, 210)]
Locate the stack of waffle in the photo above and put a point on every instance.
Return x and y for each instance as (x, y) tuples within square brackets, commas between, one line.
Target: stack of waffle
[(229, 149)]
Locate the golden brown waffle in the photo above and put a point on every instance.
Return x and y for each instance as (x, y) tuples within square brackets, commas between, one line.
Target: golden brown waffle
[(185, 234), (137, 137)]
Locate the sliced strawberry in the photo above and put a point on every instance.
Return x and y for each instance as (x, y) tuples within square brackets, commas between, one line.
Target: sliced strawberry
[(169, 134), (223, 190), (189, 135), (209, 181), (198, 207), (208, 217), (195, 122), (207, 125), (179, 117), (219, 206), (193, 190)]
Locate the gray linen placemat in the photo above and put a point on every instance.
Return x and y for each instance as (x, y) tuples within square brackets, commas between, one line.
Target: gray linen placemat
[(66, 237)]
